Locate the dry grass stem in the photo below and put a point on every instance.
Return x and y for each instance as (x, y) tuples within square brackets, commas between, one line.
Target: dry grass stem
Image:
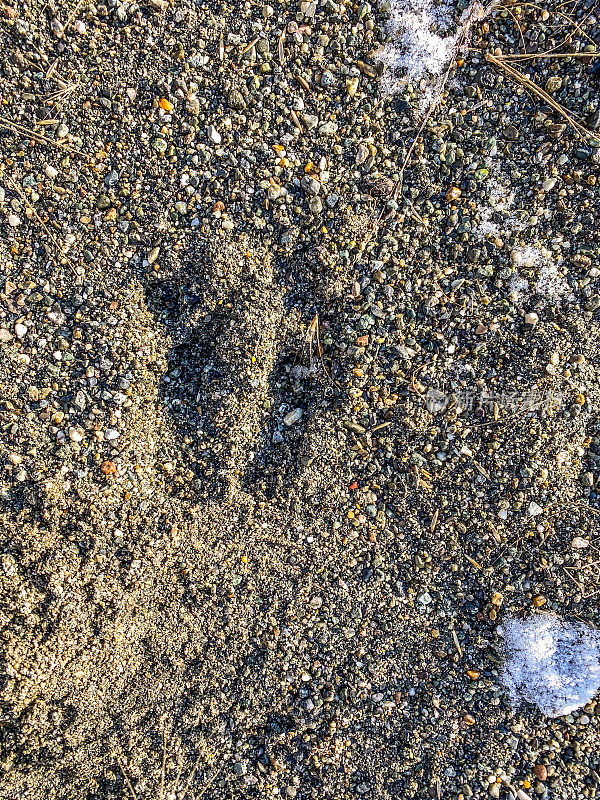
[(127, 781), (566, 17), (50, 235), (15, 127), (519, 77), (475, 12), (531, 56)]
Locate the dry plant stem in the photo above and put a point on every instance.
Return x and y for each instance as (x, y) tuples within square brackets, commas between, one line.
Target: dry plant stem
[(249, 46), (518, 77), (191, 776), (432, 107), (127, 781), (19, 191), (518, 27), (14, 126), (208, 784), (50, 74), (398, 185), (530, 56), (162, 768), (51, 69), (437, 98), (177, 779), (566, 41), (556, 47), (72, 15), (60, 98), (569, 19)]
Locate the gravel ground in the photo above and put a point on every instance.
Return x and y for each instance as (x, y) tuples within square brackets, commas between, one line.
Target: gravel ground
[(282, 446)]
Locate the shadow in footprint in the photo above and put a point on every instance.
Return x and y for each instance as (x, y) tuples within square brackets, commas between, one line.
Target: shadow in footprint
[(238, 364), (293, 388), (193, 376)]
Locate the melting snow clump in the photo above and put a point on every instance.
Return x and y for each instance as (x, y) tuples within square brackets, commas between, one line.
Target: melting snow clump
[(423, 40), (551, 284), (418, 45), (519, 288), (551, 663)]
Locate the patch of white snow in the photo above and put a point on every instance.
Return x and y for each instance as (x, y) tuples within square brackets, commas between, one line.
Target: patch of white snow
[(422, 41), (551, 663)]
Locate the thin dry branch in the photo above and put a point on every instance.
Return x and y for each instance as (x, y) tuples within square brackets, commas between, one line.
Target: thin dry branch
[(15, 127), (50, 235), (72, 15), (566, 17), (476, 12), (162, 767), (192, 775), (519, 77), (517, 26), (208, 784), (127, 781), (530, 56)]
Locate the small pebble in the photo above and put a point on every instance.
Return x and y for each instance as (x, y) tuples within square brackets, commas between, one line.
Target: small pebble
[(292, 417)]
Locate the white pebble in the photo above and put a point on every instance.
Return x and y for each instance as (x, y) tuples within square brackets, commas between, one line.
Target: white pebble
[(111, 434), (14, 220), (292, 417), (534, 509), (75, 434), (579, 543), (20, 330), (214, 135), (531, 318)]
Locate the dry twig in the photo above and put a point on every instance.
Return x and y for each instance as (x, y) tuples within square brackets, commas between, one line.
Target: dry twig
[(127, 781), (523, 80), (52, 238), (15, 127)]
